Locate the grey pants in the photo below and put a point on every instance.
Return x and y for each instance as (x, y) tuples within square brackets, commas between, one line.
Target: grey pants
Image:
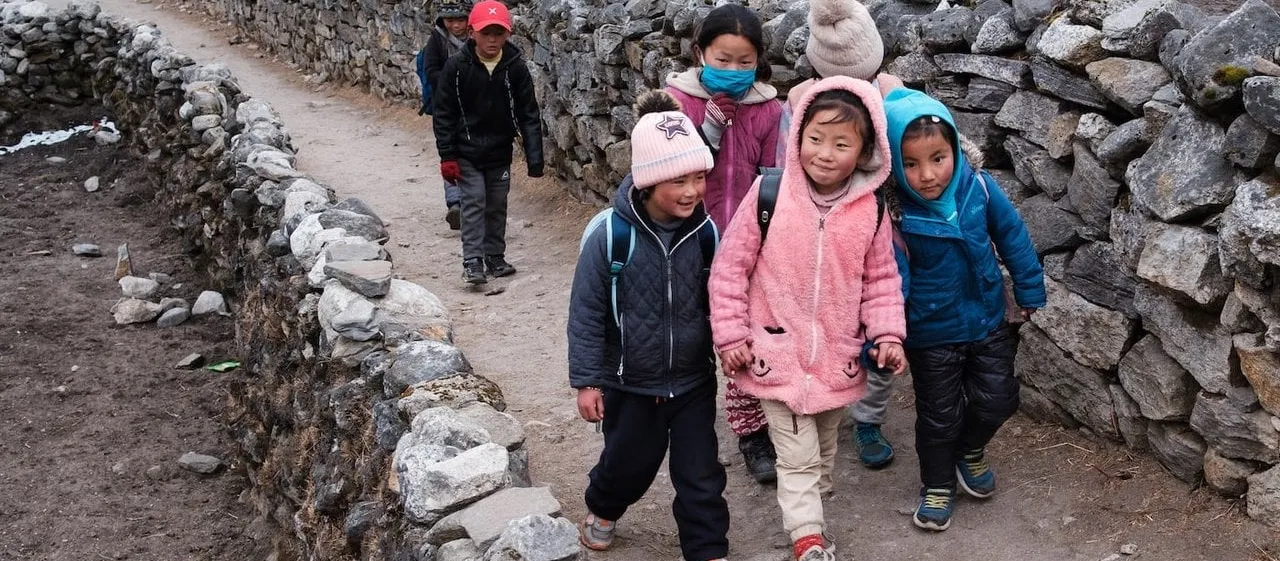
[(871, 408), (484, 210)]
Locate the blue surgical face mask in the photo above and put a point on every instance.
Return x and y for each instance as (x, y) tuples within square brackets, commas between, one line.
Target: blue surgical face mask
[(732, 82)]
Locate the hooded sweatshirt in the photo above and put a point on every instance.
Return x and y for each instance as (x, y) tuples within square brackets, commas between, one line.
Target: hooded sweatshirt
[(951, 277), (745, 146), (823, 284)]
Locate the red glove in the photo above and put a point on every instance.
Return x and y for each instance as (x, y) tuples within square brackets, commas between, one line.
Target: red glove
[(450, 171), (721, 109)]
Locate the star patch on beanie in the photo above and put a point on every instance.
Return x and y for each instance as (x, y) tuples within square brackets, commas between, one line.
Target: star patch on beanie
[(843, 40), (664, 144)]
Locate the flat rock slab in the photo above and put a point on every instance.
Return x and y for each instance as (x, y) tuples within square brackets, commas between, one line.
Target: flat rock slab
[(537, 537), (1192, 337), (1185, 259), (503, 429), (1011, 72), (86, 250), (1184, 175), (431, 488), (353, 251), (1162, 388), (173, 317), (199, 463), (1129, 83), (1178, 448), (369, 278), (423, 361), (1091, 334), (132, 310), (486, 520)]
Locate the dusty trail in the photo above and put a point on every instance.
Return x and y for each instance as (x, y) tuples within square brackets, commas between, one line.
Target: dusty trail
[(1057, 501)]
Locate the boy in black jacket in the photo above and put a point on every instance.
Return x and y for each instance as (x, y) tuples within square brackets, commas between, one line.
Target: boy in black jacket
[(448, 37), (485, 98)]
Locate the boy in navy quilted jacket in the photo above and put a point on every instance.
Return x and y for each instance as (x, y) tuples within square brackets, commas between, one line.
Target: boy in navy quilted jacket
[(956, 226), (640, 354)]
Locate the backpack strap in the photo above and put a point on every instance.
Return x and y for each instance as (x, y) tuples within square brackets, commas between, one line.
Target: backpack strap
[(767, 199), (622, 242), (709, 239)]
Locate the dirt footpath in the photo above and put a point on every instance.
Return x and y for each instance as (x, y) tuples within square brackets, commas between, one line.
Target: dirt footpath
[(1061, 496)]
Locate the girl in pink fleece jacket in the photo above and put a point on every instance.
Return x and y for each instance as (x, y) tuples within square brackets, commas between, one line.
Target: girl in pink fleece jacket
[(790, 317)]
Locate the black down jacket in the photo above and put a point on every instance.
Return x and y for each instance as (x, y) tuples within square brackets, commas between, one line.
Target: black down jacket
[(664, 345), (478, 115)]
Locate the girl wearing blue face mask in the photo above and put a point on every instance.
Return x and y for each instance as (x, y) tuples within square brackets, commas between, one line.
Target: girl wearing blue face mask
[(726, 96)]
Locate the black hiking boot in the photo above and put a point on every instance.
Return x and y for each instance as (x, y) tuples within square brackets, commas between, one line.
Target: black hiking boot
[(473, 271), (498, 266), (759, 456)]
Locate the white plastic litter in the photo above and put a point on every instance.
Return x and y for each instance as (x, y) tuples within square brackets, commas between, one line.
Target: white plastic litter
[(53, 137)]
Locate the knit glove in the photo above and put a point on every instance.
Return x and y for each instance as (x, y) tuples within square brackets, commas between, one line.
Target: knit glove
[(450, 171), (721, 109)]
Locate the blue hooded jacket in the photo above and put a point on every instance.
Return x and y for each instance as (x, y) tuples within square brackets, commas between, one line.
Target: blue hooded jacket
[(951, 277)]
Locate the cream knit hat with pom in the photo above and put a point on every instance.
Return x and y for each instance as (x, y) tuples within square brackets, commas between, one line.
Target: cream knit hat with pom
[(843, 40)]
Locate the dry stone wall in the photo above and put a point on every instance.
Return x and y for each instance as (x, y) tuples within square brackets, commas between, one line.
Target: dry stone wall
[(364, 432)]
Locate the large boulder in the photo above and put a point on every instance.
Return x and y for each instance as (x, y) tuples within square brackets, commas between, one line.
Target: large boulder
[(1092, 192), (1099, 273), (1214, 63), (1263, 499), (1185, 259), (1184, 174), (431, 487), (1261, 367), (1052, 228), (454, 391), (405, 309), (1029, 113), (537, 537), (1192, 337), (1163, 389), (1250, 145), (1012, 72), (1129, 420), (1262, 101), (1236, 429), (1129, 83), (1228, 477), (1073, 46), (484, 521), (1159, 21), (1036, 167), (1090, 334), (1081, 391), (1178, 448), (945, 30), (1053, 80), (1250, 232)]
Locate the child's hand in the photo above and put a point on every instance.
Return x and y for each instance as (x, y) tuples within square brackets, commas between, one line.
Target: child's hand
[(591, 404), (736, 359), (721, 109), (891, 355)]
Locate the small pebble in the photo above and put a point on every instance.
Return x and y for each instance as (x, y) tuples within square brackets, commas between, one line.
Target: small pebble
[(1129, 549), (906, 511), (91, 184), (75, 367), (725, 461), (56, 160), (155, 473), (1112, 557), (61, 391), (86, 250), (118, 468)]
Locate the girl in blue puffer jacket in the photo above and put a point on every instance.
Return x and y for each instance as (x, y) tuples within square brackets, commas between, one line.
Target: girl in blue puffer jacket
[(956, 227)]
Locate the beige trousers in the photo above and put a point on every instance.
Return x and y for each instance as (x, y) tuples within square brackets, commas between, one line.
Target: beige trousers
[(806, 446)]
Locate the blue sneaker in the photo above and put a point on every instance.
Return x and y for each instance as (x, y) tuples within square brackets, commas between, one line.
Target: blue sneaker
[(934, 510), (874, 450), (976, 477)]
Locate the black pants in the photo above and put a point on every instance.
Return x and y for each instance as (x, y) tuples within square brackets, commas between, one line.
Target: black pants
[(637, 432), (964, 393)]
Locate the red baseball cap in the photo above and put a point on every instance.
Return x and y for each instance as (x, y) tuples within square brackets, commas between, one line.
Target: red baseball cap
[(490, 12)]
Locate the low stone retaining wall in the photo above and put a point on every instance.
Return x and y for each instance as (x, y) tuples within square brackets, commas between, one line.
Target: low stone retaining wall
[(363, 430)]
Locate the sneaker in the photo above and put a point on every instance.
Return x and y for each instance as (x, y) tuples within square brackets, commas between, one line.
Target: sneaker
[(596, 533), (976, 477), (759, 456), (473, 271), (454, 217), (874, 450), (498, 266), (813, 548), (934, 510)]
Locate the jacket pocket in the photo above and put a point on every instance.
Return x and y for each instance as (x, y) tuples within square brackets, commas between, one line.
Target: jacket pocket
[(773, 355), (849, 352)]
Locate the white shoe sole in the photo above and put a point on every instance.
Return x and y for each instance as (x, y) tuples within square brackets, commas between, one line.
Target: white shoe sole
[(971, 492)]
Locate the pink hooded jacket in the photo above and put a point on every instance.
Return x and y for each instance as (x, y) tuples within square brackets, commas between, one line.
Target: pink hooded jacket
[(819, 288), (746, 145)]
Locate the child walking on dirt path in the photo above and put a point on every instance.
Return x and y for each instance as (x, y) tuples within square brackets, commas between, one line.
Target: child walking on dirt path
[(844, 41), (484, 100), (728, 99), (960, 347), (447, 38), (798, 320), (640, 350)]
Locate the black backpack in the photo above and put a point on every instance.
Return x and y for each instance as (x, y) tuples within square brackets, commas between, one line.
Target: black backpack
[(770, 181)]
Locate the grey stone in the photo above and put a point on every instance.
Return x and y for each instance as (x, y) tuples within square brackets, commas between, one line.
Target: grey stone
[(1265, 305), (459, 550), (352, 204), (1169, 95), (913, 68), (1099, 273), (209, 302), (1061, 136), (167, 304), (608, 41), (1228, 477), (945, 30), (484, 521), (190, 362), (423, 361), (454, 391), (1178, 448), (271, 164), (310, 238), (1094, 12), (358, 322), (1089, 334), (1127, 142), (132, 310), (255, 110), (1013, 188), (1129, 420), (1263, 498), (1236, 432), (1250, 232), (298, 205), (355, 224), (503, 429), (137, 287), (406, 309), (1248, 144), (1130, 228), (950, 90), (1119, 26), (1081, 391), (277, 244), (443, 426), (1171, 46), (1185, 259), (1159, 21), (86, 250), (1261, 367), (1027, 14), (202, 123), (1184, 174), (1011, 72), (981, 130), (1163, 390), (537, 537), (1129, 83), (999, 35), (362, 517), (91, 184), (1039, 407), (1262, 101), (388, 426), (518, 468), (986, 95), (1205, 63), (1073, 46), (1093, 129), (431, 488), (897, 22), (1037, 167), (1052, 228), (1029, 113), (1191, 337), (369, 278), (1051, 79), (199, 463), (173, 317), (1238, 318)]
